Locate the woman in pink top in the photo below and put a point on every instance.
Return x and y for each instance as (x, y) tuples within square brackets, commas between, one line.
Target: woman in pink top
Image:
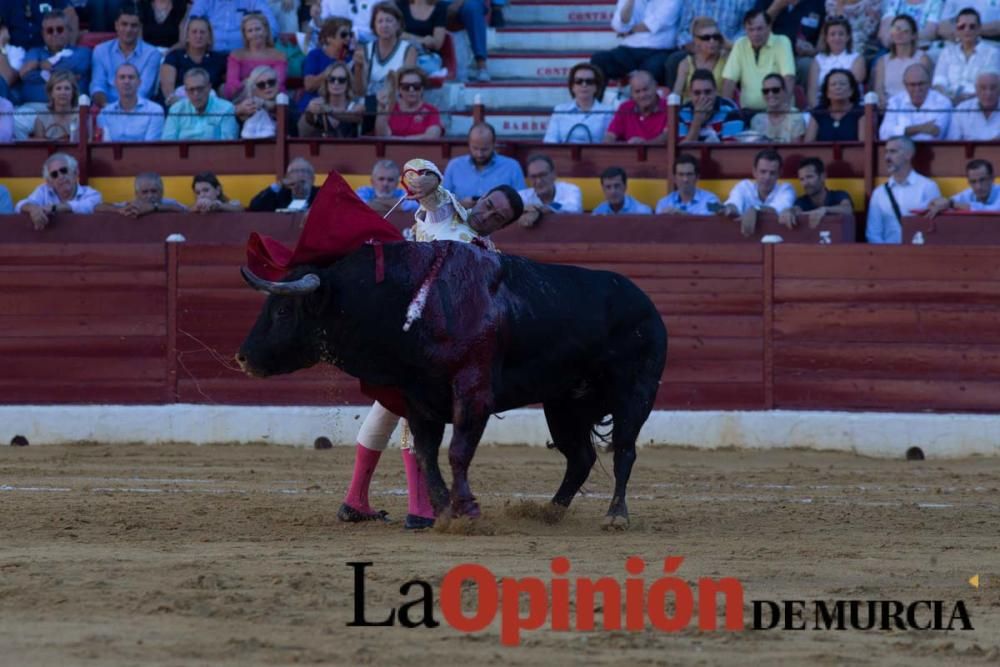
[(258, 49)]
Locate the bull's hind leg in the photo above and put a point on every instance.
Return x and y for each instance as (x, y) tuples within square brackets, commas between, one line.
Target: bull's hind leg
[(570, 428), (634, 406), (426, 443), (471, 410)]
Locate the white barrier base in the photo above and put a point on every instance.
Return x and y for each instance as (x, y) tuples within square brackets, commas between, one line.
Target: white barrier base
[(869, 434)]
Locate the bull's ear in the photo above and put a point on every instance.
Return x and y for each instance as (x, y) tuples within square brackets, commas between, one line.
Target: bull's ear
[(305, 285)]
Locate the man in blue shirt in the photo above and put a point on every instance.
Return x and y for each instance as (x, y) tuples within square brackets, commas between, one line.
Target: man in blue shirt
[(617, 201), (127, 48), (384, 193), (687, 198), (131, 118), (226, 16), (6, 203), (23, 19), (707, 117), (57, 55), (471, 176)]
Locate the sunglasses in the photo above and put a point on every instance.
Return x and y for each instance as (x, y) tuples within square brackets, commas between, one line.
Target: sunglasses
[(269, 83), (337, 79), (714, 36), (584, 82), (343, 34), (966, 26), (55, 30), (771, 91), (56, 173), (411, 86)]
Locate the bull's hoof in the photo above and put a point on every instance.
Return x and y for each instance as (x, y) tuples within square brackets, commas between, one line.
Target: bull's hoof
[(414, 522), (468, 507), (348, 514), (615, 522), (554, 512)]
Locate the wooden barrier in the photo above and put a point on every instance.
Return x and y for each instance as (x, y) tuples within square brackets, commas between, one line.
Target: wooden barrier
[(98, 309)]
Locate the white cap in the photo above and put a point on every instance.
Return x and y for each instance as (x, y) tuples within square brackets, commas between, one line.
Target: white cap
[(674, 100), (871, 97), (83, 101), (477, 99), (176, 238), (282, 99), (771, 238)]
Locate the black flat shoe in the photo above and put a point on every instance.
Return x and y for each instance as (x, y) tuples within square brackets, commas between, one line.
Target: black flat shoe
[(414, 522)]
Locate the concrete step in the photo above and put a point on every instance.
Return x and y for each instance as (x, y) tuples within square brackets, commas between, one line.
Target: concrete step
[(553, 37), (533, 65), (557, 11)]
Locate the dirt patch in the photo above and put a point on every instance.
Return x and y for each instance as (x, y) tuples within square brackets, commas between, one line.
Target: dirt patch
[(232, 555)]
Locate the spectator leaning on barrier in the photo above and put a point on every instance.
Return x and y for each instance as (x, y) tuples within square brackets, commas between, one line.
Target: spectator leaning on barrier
[(148, 199), (585, 119), (202, 116), (687, 198), (197, 52), (209, 197), (905, 192), (839, 116), (920, 113), (648, 31), (226, 17), (384, 192), (130, 117), (981, 195), (60, 193), (57, 55), (546, 192), (818, 200), (755, 56), (127, 47), (978, 118), (642, 119), (762, 194), (471, 176), (707, 117), (959, 64), (617, 200), (295, 191)]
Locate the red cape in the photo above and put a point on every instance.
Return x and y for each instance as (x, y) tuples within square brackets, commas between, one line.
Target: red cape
[(338, 223)]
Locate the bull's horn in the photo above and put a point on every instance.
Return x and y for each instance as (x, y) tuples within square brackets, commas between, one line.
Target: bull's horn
[(304, 285)]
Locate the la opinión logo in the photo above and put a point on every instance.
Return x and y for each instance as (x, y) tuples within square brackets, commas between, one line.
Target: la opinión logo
[(667, 604)]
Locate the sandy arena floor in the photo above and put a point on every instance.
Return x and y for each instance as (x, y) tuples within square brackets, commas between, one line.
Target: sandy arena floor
[(232, 555)]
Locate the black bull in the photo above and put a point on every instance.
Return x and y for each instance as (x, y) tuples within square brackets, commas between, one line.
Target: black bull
[(494, 332)]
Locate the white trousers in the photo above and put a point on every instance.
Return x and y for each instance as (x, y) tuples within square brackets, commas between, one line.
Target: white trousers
[(377, 428)]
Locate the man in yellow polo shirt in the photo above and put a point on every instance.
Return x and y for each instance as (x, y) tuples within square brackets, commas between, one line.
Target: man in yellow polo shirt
[(755, 56)]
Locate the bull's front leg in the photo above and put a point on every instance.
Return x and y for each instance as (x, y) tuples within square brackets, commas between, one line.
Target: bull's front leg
[(427, 435), (472, 409)]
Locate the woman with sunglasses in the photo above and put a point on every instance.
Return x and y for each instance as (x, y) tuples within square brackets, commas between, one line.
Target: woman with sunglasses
[(835, 52), (781, 123), (209, 197), (585, 119), (62, 119), (839, 117), (255, 107), (410, 117), (258, 49), (197, 52), (334, 112), (161, 21), (903, 52), (708, 46), (334, 47)]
